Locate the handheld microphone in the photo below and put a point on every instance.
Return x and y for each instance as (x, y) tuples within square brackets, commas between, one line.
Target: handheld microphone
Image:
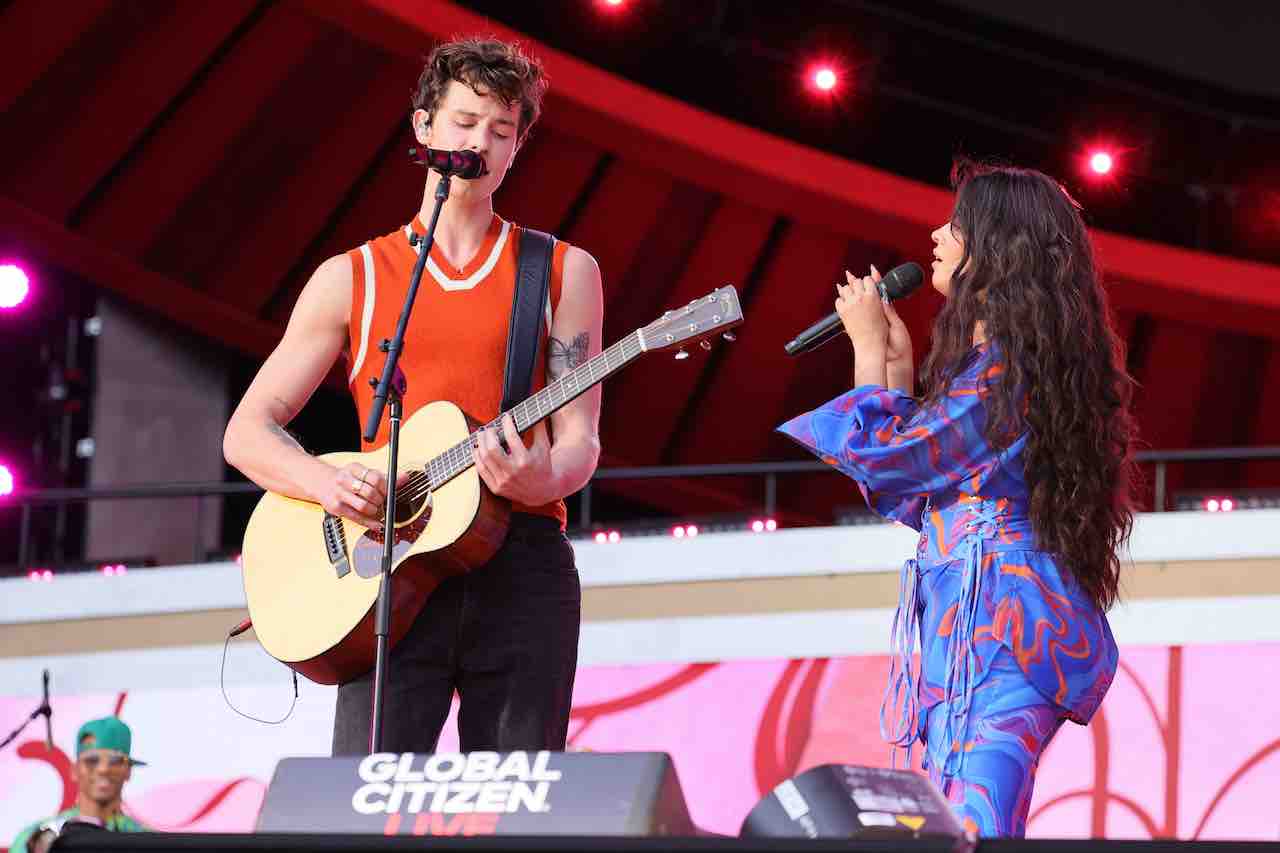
[(459, 164), (897, 283), (47, 710)]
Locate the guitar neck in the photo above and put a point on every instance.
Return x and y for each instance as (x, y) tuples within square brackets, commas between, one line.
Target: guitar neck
[(457, 459)]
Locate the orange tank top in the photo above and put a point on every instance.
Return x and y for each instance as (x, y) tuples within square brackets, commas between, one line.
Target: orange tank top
[(456, 345)]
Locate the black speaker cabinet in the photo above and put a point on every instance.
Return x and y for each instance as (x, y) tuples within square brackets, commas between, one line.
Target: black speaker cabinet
[(847, 801), (478, 793)]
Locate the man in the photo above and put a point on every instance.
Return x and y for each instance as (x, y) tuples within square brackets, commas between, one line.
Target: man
[(103, 764), (505, 635)]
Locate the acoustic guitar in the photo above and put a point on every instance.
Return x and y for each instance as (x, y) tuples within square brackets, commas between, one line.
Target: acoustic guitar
[(311, 579)]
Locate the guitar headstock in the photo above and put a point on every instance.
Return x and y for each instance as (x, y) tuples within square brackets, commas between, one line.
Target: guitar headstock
[(718, 311)]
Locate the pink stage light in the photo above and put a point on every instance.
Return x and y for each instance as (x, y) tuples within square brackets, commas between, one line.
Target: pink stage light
[(1212, 505), (1227, 504), (770, 525), (825, 78), (40, 575), (678, 531), (601, 537), (614, 537), (1101, 162), (691, 530), (14, 286), (7, 481), (757, 526)]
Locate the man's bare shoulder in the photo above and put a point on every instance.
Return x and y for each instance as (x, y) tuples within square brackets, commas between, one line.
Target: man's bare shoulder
[(327, 295), (581, 272)]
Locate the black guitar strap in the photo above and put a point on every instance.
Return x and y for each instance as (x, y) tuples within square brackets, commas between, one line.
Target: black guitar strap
[(528, 309)]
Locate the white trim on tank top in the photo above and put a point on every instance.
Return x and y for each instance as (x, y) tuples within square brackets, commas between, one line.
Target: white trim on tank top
[(366, 317), (476, 277)]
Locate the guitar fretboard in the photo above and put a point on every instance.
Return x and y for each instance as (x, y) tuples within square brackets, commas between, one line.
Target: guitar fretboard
[(457, 459)]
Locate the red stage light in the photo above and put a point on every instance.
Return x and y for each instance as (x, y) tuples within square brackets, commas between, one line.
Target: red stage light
[(7, 481), (40, 575), (611, 5), (691, 530), (614, 537), (1212, 505), (757, 526), (1101, 162), (677, 532), (1227, 505), (14, 286), (825, 78), (601, 537), (770, 525)]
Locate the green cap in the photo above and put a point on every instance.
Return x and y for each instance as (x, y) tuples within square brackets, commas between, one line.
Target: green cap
[(107, 733)]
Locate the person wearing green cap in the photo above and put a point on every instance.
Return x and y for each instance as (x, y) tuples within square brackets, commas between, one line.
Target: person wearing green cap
[(104, 762)]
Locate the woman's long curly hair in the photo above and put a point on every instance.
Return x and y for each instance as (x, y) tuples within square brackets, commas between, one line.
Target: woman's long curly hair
[(1028, 276)]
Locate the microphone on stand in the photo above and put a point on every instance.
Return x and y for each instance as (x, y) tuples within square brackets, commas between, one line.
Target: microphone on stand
[(47, 710), (899, 282), (458, 164)]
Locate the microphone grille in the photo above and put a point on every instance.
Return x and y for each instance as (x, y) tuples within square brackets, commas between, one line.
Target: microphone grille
[(902, 280)]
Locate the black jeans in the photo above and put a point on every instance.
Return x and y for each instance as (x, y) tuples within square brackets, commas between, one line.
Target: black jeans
[(505, 636)]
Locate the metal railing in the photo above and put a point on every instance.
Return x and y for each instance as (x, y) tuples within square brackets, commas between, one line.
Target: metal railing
[(1161, 459), (768, 471)]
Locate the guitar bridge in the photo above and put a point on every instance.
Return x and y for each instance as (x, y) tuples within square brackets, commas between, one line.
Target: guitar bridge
[(335, 543)]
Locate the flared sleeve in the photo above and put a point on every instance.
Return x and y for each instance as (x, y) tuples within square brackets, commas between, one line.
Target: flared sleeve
[(900, 452)]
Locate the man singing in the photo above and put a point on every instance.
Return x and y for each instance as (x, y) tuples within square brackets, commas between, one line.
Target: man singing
[(505, 635)]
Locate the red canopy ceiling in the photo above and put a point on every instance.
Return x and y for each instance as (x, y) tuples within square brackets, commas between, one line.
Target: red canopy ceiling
[(201, 163)]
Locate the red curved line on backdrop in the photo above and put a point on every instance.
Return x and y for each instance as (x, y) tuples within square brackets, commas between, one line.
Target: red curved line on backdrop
[(800, 722), (1101, 735), (124, 694), (1133, 807), (767, 762), (690, 673), (215, 801), (1146, 696), (1235, 777), (37, 750)]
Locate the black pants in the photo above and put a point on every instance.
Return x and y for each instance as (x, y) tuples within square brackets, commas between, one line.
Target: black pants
[(505, 636)]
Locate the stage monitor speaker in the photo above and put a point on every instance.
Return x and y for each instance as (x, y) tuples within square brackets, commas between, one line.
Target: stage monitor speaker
[(847, 801), (478, 793)]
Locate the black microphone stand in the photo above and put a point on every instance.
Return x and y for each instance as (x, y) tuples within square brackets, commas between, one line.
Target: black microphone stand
[(391, 387), (45, 710)]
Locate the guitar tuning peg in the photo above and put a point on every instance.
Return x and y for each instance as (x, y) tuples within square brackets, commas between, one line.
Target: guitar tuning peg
[(706, 345), (730, 337), (681, 355)]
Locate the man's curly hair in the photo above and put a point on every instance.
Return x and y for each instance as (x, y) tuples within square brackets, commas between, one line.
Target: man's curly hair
[(489, 67)]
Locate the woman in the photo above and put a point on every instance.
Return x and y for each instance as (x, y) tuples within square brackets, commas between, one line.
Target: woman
[(1015, 466)]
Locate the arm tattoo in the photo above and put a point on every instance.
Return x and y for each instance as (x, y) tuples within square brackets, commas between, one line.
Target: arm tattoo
[(285, 436), (561, 357)]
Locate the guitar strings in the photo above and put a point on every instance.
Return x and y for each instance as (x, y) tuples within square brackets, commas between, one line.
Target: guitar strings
[(458, 458)]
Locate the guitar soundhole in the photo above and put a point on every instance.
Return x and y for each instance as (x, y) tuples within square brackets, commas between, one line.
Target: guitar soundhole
[(407, 508)]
